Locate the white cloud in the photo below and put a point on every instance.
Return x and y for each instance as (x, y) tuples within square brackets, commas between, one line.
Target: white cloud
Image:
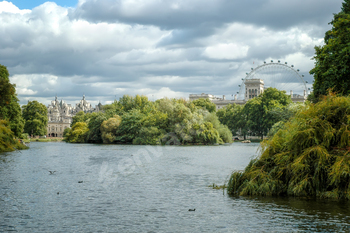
[(8, 7), (163, 92), (156, 48), (226, 51), (25, 91)]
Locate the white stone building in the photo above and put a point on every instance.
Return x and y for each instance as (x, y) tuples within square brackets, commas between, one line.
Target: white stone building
[(60, 115)]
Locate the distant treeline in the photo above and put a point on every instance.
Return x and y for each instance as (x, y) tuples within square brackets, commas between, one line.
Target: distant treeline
[(136, 120), (260, 116)]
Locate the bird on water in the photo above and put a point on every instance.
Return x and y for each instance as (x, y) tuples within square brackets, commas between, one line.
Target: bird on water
[(192, 210), (52, 172)]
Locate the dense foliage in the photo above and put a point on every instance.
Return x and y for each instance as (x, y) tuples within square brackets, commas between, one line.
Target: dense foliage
[(35, 115), (10, 109), (7, 138), (258, 115), (139, 121), (205, 103), (11, 121), (332, 60), (308, 156)]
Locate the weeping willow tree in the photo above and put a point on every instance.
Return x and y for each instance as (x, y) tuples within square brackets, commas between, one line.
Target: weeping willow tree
[(309, 156)]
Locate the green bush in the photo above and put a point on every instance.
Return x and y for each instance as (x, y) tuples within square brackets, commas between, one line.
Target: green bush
[(7, 140), (224, 132), (309, 156), (109, 128), (148, 136), (78, 133)]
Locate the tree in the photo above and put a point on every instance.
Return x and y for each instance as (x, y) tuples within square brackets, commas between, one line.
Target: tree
[(231, 116), (109, 128), (130, 126), (66, 132), (7, 140), (332, 60), (148, 136), (10, 109), (94, 123), (259, 118), (79, 117), (223, 130), (207, 134), (35, 115), (127, 103), (205, 103), (78, 133)]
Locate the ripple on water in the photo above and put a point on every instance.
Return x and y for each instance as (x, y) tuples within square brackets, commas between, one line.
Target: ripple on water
[(139, 193)]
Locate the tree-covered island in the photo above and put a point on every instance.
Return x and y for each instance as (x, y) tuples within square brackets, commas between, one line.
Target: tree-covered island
[(140, 121)]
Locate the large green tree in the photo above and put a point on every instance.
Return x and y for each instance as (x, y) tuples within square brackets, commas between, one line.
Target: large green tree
[(332, 60), (231, 115), (94, 123), (35, 115), (10, 109), (258, 111)]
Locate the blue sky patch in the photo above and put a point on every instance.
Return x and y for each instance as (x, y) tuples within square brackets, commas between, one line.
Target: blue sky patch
[(23, 4)]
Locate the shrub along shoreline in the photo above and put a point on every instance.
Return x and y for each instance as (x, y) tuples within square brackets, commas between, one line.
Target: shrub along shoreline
[(8, 142), (308, 157)]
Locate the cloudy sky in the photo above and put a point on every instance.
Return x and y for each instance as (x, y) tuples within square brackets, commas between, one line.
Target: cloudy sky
[(107, 48)]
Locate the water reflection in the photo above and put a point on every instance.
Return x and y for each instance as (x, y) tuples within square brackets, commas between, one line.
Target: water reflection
[(299, 214)]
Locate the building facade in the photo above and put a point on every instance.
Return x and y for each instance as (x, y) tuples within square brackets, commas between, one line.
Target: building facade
[(60, 115)]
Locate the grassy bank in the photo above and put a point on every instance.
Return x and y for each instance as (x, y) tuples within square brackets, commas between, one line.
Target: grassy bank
[(43, 140)]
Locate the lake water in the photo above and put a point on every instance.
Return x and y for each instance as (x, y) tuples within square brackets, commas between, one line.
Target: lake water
[(126, 188)]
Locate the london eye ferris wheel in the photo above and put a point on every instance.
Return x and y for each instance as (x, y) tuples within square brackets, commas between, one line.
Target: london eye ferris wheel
[(278, 75)]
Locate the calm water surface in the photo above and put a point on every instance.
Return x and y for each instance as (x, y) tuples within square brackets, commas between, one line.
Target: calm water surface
[(125, 188)]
